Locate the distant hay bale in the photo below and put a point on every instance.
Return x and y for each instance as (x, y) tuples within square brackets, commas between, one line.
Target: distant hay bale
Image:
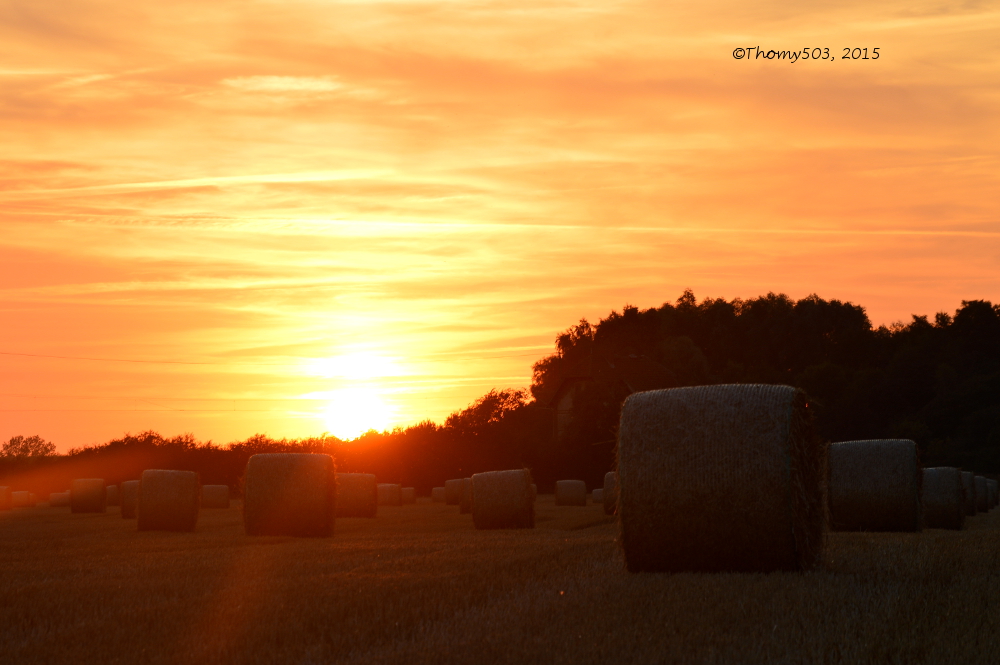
[(437, 495), (59, 499), (357, 495), (534, 492), (571, 493), (390, 494), (610, 493), (215, 496), (129, 496), (168, 500), (982, 500), (409, 495), (453, 491), (720, 478), (875, 485), (289, 494), (112, 495), (597, 496), (942, 498), (993, 488), (5, 500), (502, 500), (21, 499), (87, 495), (969, 488), (465, 502)]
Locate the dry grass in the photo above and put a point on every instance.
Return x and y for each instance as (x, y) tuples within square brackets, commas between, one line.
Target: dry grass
[(420, 585)]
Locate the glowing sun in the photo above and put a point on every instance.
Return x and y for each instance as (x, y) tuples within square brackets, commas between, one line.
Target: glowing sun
[(354, 411)]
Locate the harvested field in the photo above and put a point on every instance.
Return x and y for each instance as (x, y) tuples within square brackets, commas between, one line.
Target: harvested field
[(420, 585)]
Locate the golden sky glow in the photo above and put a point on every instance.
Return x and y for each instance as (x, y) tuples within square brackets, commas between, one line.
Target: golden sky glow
[(264, 197)]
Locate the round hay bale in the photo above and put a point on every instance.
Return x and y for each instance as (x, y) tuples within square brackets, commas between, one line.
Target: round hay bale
[(409, 495), (87, 495), (59, 499), (993, 487), (129, 496), (453, 491), (534, 492), (437, 495), (357, 495), (982, 500), (720, 478), (571, 493), (112, 495), (465, 502), (875, 485), (597, 496), (942, 498), (168, 500), (21, 499), (969, 488), (610, 493), (502, 500), (215, 496), (289, 494), (5, 500), (390, 494), (33, 498)]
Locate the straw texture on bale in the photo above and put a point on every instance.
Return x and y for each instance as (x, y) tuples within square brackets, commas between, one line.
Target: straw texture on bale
[(465, 503), (357, 495), (969, 487), (409, 495), (597, 496), (390, 494), (87, 495), (942, 498), (571, 493), (5, 502), (112, 495), (289, 494), (129, 496), (875, 485), (982, 500), (502, 500), (437, 494), (58, 499), (720, 478), (168, 500), (453, 491), (215, 496), (610, 493), (21, 499)]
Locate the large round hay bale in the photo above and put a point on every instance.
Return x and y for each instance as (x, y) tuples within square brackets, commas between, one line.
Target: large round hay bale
[(437, 495), (409, 495), (5, 501), (720, 478), (390, 494), (969, 488), (942, 498), (168, 500), (21, 499), (112, 495), (610, 493), (59, 499), (465, 502), (571, 493), (289, 494), (357, 495), (215, 496), (453, 491), (875, 485), (597, 496), (502, 500), (982, 500), (129, 496), (87, 495)]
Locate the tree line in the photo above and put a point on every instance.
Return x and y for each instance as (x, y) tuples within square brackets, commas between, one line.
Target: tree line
[(936, 381)]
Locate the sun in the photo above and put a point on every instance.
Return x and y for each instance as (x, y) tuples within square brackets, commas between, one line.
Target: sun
[(354, 411)]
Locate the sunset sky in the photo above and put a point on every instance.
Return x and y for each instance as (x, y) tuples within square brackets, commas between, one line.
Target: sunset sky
[(293, 217)]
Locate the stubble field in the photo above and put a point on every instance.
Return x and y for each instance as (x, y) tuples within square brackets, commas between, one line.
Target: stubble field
[(419, 584)]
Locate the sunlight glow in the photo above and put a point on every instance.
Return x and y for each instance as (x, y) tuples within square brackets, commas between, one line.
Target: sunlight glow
[(358, 366), (354, 411)]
